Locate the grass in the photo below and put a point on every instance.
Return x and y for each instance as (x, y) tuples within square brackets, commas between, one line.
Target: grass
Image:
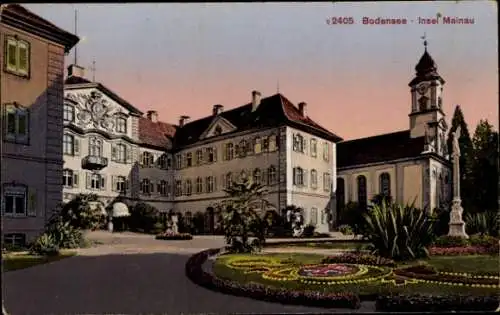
[(21, 261), (471, 264), (332, 245)]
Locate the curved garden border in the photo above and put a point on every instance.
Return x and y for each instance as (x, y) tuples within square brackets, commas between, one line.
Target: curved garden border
[(421, 303)]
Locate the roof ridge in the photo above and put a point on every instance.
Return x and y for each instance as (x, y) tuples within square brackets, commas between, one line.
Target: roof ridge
[(379, 135)]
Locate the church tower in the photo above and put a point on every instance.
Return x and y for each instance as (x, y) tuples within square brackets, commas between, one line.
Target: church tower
[(427, 118)]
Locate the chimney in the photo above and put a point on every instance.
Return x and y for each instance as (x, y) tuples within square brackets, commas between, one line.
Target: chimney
[(76, 71), (255, 100), (303, 109), (152, 115), (217, 109), (182, 120)]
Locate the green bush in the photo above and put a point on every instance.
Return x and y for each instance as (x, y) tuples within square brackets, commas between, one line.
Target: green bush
[(345, 229), (399, 232), (158, 227), (143, 217), (80, 214), (482, 223), (352, 214), (45, 245), (451, 241), (483, 240), (308, 230), (65, 235)]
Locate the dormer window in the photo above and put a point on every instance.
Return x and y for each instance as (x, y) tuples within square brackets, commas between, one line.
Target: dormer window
[(69, 113), (121, 125), (147, 159)]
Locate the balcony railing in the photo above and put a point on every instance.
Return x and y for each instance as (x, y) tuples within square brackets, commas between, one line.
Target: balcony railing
[(92, 162)]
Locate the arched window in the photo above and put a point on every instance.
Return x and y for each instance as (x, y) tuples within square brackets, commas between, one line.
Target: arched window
[(95, 146), (257, 176), (340, 193), (362, 196), (271, 175), (385, 184)]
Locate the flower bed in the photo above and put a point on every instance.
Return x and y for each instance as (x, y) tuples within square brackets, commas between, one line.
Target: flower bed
[(174, 236), (194, 271), (363, 259), (423, 303), (454, 246)]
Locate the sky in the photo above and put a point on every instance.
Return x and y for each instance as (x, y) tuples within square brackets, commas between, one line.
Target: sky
[(180, 59)]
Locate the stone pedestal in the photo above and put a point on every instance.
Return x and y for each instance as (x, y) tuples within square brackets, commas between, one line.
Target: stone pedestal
[(110, 225), (457, 225), (175, 228)]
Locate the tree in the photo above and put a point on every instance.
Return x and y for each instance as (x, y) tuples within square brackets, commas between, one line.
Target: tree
[(243, 214), (143, 217), (466, 153), (484, 167), (79, 213)]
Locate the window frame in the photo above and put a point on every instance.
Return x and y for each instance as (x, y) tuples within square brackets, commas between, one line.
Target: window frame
[(327, 182), (199, 185), (71, 112), (314, 147), (96, 143), (145, 186), (9, 39), (71, 144), (271, 175), (314, 178), (385, 184), (17, 111), (15, 191), (68, 174), (121, 181), (121, 128)]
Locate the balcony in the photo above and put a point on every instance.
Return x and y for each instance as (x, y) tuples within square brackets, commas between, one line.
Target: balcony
[(92, 162)]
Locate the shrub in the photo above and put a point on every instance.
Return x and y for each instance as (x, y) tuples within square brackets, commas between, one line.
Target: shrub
[(79, 213), (174, 237), (195, 273), (468, 250), (143, 217), (362, 259), (158, 227), (352, 214), (399, 232), (308, 230), (45, 245), (450, 241), (441, 217), (422, 303), (483, 240), (482, 223), (345, 229), (65, 235)]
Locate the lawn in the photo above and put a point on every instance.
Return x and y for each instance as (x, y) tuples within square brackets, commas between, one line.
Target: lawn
[(12, 262), (332, 245), (468, 264)]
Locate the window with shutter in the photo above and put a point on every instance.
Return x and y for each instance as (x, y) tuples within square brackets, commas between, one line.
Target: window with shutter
[(304, 177), (17, 123), (76, 146), (23, 55), (75, 179), (113, 152), (11, 57), (31, 203)]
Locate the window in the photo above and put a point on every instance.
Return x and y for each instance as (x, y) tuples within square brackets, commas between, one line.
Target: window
[(199, 185), (178, 188), (362, 197), (199, 157), (121, 184), (15, 200), (272, 143), (147, 159), (189, 159), (257, 146), (15, 239), (271, 175), (178, 161), (242, 149), (210, 155), (69, 113), (314, 179), (162, 188), (67, 178), (210, 184), (323, 216), (228, 180), (298, 143), (162, 162), (340, 193), (68, 144), (95, 146), (120, 153), (326, 151), (229, 152), (188, 188), (146, 186), (298, 176), (17, 56), (188, 219), (97, 181), (327, 182), (314, 216), (121, 125), (17, 123), (218, 131), (385, 184), (257, 176), (314, 147)]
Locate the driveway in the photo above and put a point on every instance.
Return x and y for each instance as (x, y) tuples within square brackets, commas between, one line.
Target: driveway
[(127, 274)]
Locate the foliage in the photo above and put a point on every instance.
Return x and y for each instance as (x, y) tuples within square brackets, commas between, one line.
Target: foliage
[(293, 217), (483, 240), (484, 223), (352, 215), (362, 259), (198, 223), (64, 234), (80, 214), (45, 245), (441, 217), (309, 231), (378, 199), (143, 217), (345, 229), (463, 250), (484, 192), (168, 236), (195, 272), (158, 227), (399, 232), (242, 214), (450, 241), (428, 303)]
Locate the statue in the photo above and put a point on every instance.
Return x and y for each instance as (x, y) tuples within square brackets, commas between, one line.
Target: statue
[(457, 225), (175, 228), (298, 228)]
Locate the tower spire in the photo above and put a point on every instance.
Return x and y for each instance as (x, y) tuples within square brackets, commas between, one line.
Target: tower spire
[(278, 86), (76, 31), (425, 40), (93, 69)]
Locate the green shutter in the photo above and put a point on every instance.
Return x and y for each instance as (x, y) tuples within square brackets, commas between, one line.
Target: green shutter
[(23, 53), (22, 124), (11, 51)]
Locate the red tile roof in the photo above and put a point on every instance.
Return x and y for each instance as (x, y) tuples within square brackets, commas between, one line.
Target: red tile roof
[(156, 134)]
